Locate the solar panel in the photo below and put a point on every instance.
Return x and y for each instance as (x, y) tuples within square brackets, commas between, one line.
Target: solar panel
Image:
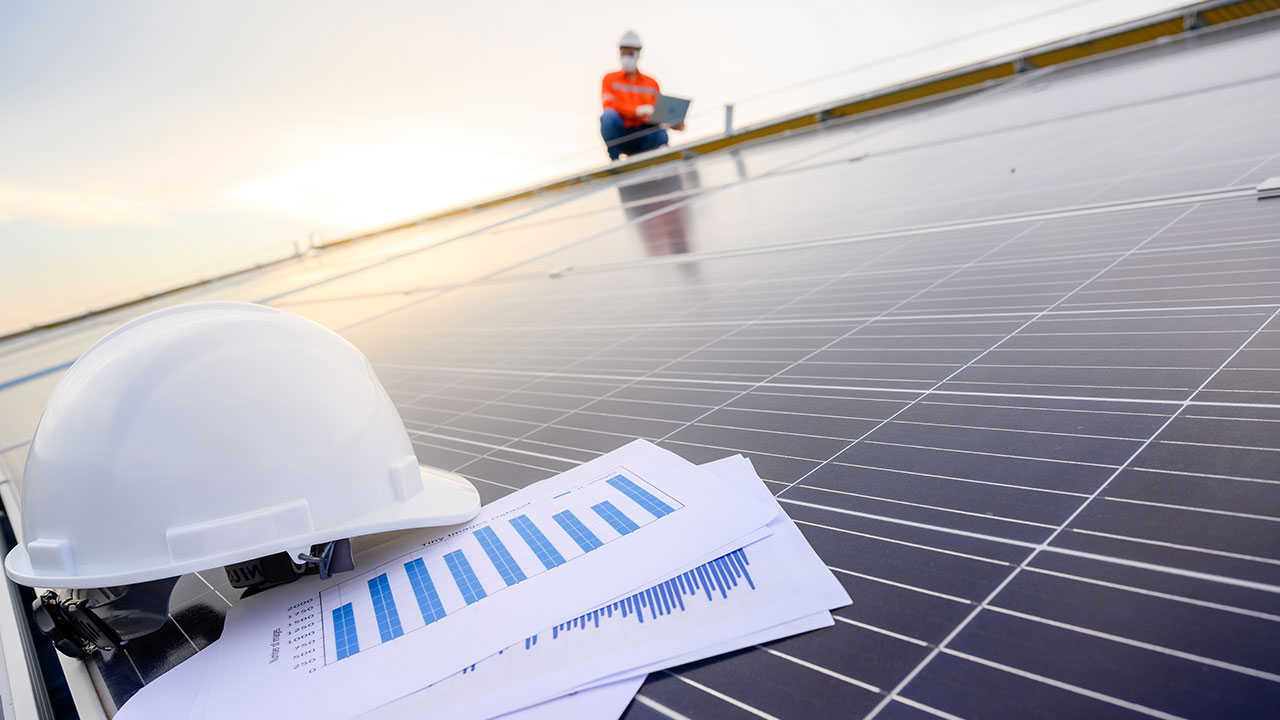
[(1012, 363)]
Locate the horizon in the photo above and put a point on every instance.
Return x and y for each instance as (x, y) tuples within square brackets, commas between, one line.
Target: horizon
[(141, 158)]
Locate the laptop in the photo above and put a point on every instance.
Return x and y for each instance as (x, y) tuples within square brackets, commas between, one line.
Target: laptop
[(669, 110)]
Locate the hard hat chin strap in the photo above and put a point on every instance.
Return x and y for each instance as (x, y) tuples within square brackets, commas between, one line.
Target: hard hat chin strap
[(72, 625), (80, 622), (268, 571)]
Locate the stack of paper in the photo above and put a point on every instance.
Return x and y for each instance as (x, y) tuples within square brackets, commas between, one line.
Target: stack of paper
[(555, 601)]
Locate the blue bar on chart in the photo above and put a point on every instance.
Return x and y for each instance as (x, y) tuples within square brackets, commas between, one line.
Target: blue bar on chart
[(344, 631), (501, 557), (586, 539), (643, 498), (615, 517), (425, 590), (384, 608), (538, 542), (464, 576)]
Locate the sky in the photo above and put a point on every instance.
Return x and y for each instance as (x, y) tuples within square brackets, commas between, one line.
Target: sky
[(144, 145)]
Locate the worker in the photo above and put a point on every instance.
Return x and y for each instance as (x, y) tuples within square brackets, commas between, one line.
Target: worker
[(628, 97)]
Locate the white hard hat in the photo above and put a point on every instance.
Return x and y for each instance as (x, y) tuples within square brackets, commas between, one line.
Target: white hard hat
[(630, 40), (214, 433)]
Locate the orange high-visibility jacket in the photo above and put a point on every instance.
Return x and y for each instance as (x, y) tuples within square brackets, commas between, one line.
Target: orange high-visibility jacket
[(625, 94)]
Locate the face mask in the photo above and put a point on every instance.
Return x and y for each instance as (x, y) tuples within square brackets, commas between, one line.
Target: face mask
[(629, 63)]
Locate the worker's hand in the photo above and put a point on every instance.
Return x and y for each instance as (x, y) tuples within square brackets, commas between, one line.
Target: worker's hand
[(644, 111)]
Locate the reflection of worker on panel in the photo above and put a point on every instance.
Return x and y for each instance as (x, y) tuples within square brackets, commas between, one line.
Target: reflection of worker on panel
[(659, 209), (629, 98)]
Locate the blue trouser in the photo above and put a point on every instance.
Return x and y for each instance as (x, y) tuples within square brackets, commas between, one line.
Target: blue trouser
[(647, 137)]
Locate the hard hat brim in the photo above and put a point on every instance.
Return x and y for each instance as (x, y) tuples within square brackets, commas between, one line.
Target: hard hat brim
[(446, 499)]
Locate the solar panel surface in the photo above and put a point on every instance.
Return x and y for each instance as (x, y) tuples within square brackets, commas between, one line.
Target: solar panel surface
[(1011, 361)]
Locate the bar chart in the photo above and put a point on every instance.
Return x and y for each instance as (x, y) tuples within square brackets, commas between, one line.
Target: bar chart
[(465, 567), (691, 597), (710, 583)]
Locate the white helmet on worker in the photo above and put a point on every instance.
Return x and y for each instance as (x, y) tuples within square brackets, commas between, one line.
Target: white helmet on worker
[(630, 40), (210, 434)]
